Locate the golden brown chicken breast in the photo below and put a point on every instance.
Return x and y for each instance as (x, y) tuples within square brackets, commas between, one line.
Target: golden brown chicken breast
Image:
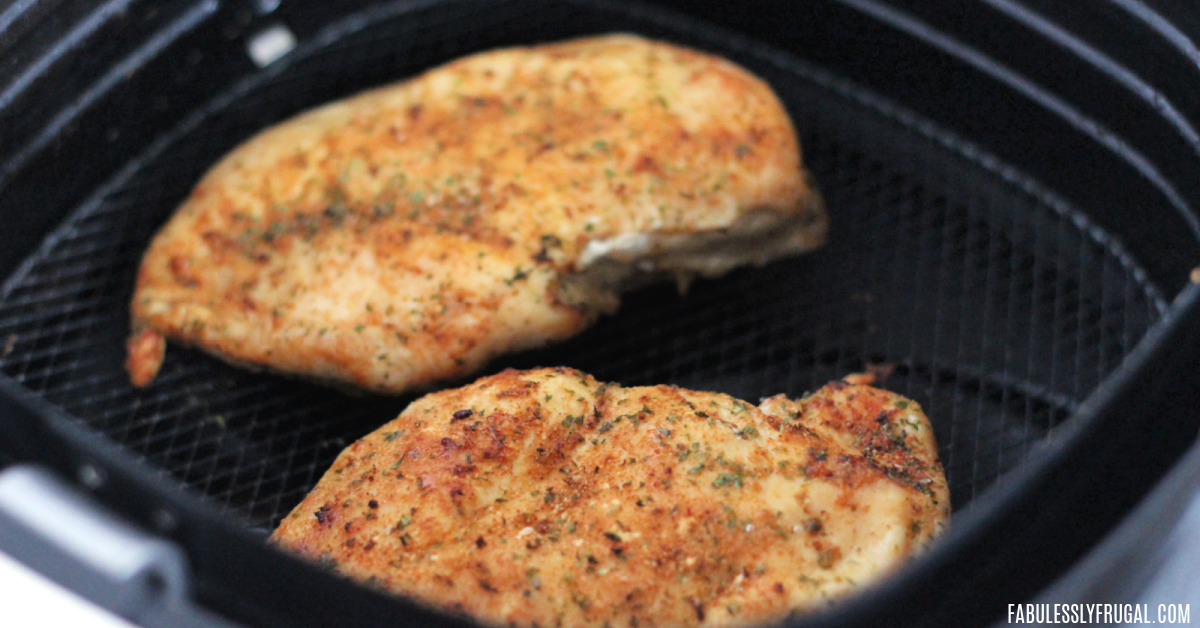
[(545, 498), (411, 233)]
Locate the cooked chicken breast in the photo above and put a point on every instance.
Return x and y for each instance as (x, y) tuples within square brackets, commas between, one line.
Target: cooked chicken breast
[(410, 233), (545, 498)]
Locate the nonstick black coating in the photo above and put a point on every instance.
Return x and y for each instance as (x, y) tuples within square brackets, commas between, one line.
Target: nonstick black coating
[(989, 300)]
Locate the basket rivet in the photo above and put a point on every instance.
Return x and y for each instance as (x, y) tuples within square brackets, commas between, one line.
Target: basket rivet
[(270, 44)]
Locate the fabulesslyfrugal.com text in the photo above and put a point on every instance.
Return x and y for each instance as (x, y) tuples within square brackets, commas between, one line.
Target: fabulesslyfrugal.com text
[(1112, 614)]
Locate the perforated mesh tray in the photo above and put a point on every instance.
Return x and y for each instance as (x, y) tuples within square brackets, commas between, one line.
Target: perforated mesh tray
[(994, 304)]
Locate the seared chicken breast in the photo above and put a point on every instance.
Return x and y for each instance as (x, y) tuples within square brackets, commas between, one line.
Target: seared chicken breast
[(545, 498), (410, 233)]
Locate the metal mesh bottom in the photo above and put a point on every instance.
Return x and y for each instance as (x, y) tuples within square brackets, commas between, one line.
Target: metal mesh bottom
[(999, 307)]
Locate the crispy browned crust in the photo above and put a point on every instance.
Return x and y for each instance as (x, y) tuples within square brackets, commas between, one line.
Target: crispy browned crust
[(544, 498), (410, 233)]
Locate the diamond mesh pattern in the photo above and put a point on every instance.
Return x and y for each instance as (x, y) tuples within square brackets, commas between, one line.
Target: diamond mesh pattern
[(992, 304)]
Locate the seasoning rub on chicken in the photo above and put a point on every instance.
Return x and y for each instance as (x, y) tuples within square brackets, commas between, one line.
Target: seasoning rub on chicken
[(411, 233), (545, 498)]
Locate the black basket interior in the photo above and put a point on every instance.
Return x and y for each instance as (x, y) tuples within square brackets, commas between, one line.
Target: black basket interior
[(990, 301)]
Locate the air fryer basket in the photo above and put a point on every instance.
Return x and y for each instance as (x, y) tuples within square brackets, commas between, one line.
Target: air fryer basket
[(992, 300)]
